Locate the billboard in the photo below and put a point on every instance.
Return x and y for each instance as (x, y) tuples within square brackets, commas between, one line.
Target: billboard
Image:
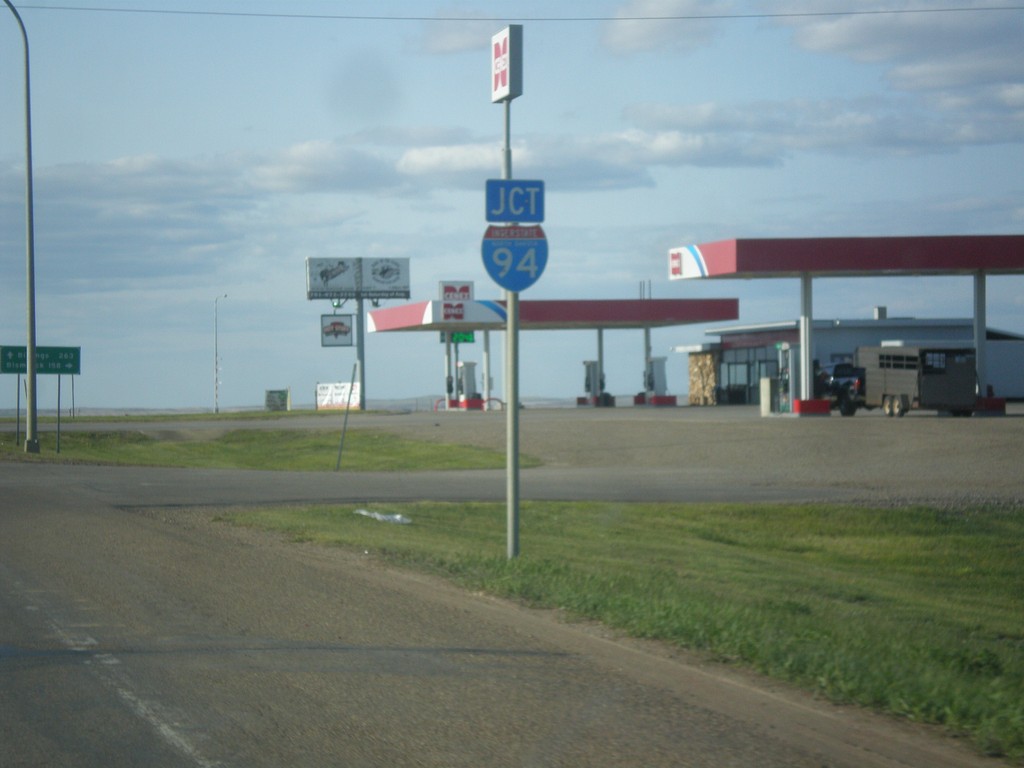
[(385, 278), (336, 330), (354, 278), (331, 278)]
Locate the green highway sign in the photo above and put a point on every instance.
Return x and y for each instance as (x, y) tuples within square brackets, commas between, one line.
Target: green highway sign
[(60, 360)]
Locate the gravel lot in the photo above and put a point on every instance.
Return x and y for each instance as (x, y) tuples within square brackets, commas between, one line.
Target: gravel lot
[(922, 457)]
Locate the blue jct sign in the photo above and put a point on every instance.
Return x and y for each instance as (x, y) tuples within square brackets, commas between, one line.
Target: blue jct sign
[(515, 257), (515, 201)]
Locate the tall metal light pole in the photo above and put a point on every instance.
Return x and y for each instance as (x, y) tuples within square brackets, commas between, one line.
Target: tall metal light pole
[(216, 355), (31, 418)]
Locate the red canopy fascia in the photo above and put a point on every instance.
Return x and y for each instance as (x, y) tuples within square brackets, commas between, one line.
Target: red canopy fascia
[(623, 313), (554, 315), (850, 256)]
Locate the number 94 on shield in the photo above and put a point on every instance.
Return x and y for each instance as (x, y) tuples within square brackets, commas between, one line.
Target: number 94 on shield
[(515, 263)]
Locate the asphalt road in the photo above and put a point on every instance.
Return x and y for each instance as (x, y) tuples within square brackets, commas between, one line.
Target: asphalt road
[(136, 630)]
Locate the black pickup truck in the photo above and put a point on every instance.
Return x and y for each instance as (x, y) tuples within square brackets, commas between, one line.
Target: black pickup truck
[(843, 385)]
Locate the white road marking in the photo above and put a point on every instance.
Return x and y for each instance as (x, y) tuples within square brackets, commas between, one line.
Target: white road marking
[(112, 673)]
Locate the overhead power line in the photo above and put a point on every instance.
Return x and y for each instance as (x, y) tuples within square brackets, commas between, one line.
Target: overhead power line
[(666, 17)]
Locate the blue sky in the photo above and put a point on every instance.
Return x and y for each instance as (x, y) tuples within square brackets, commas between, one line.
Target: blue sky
[(185, 149)]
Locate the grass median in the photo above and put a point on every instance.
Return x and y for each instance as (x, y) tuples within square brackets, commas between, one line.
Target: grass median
[(912, 611)]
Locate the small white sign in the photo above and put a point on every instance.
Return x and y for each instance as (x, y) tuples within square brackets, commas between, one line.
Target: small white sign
[(336, 330), (337, 395)]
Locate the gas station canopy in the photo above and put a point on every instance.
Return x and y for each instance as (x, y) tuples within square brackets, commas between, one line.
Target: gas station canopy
[(849, 256), (552, 315), (807, 258)]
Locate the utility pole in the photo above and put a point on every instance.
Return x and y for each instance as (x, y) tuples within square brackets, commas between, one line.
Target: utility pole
[(31, 414)]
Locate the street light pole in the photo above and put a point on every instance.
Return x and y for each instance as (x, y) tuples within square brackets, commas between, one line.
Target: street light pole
[(216, 356), (31, 415)]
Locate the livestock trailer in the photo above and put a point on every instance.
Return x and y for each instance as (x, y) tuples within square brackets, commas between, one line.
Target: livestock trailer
[(899, 378)]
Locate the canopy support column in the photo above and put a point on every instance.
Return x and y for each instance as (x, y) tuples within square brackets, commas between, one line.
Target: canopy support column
[(806, 340), (448, 379), (980, 332), (487, 370)]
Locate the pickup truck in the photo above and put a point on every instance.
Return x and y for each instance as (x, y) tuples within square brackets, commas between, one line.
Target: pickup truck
[(843, 384)]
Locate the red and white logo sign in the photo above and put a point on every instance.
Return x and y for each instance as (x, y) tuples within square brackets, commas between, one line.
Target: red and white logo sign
[(675, 264), (454, 311), (456, 291), (507, 63), (500, 65)]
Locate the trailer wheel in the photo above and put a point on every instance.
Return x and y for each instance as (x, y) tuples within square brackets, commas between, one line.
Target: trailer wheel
[(899, 407), (887, 405)]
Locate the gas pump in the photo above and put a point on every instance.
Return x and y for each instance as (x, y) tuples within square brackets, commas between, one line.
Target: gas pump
[(789, 375), (469, 398), (654, 377), (593, 384), (655, 384)]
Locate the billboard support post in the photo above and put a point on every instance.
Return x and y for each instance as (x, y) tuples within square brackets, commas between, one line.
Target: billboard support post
[(361, 351)]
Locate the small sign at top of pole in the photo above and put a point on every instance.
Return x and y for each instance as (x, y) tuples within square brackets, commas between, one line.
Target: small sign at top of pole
[(507, 64)]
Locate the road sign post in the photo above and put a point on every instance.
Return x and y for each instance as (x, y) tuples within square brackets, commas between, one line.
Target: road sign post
[(507, 84), (48, 360)]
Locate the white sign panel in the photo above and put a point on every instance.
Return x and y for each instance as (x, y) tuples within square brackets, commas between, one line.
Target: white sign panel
[(456, 290), (352, 278), (507, 63), (337, 395), (332, 278), (385, 279), (335, 330)]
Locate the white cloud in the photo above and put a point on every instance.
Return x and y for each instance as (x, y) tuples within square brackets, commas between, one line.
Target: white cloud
[(767, 131), (321, 166), (915, 30), (448, 161), (972, 54)]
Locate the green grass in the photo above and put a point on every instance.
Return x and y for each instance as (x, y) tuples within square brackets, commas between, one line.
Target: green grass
[(275, 449), (913, 611)]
